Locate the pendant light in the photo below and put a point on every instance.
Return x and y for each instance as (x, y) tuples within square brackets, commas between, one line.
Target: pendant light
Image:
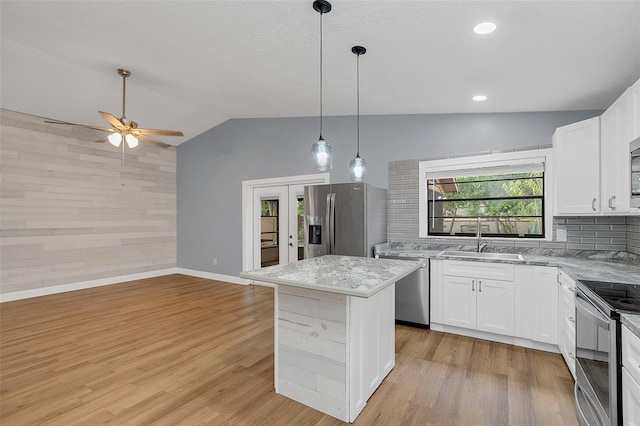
[(321, 150), (358, 166)]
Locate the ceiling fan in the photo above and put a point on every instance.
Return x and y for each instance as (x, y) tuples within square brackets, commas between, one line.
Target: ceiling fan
[(123, 128)]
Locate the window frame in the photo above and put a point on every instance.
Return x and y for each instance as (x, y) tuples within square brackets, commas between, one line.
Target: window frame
[(488, 161)]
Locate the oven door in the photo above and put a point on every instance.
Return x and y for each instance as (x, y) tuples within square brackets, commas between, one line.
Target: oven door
[(595, 364)]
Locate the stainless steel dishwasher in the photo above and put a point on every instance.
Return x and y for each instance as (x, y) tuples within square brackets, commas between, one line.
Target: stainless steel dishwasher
[(412, 295)]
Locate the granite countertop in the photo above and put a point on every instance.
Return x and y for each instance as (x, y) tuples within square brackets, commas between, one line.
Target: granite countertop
[(618, 267), (355, 276)]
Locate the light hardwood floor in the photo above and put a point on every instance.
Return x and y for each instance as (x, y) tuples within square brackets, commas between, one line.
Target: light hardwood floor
[(184, 350)]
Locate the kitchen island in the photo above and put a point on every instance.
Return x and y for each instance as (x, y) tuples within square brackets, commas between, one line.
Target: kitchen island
[(334, 323)]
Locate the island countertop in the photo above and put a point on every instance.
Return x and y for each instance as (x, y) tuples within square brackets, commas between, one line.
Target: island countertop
[(354, 276)]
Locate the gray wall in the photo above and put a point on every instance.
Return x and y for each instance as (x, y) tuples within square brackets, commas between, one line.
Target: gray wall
[(212, 166)]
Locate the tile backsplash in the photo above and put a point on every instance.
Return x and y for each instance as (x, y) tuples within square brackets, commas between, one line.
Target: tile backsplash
[(617, 233)]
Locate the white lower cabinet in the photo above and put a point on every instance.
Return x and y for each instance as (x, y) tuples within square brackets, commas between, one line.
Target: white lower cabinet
[(508, 303), (630, 377), (536, 302), (473, 297), (630, 399), (566, 320)]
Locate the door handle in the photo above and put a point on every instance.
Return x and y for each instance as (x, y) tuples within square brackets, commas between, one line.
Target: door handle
[(332, 225), (479, 286), (327, 226), (473, 285), (290, 244), (593, 204), (612, 202)]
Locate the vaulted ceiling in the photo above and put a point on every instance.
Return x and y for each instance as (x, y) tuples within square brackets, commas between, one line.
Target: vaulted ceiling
[(196, 64)]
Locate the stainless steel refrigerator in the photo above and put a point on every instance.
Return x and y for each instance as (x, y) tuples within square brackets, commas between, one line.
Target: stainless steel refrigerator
[(345, 218)]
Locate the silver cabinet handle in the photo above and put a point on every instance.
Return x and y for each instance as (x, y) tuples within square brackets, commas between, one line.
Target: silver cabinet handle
[(473, 285), (479, 285), (612, 202), (593, 204), (572, 320)]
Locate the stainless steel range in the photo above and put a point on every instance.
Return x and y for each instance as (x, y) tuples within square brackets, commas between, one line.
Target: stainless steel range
[(598, 358)]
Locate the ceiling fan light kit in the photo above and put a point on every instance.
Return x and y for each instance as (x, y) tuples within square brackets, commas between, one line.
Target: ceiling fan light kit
[(123, 128), (321, 150)]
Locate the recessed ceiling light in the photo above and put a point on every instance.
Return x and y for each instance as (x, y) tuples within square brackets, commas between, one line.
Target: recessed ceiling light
[(479, 98), (484, 28)]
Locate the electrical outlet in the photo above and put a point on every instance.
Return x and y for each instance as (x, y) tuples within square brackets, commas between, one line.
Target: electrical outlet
[(215, 261), (561, 235)]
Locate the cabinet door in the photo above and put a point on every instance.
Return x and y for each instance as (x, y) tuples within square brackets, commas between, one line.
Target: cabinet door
[(630, 399), (576, 149), (459, 301), (495, 311), (545, 304), (614, 157)]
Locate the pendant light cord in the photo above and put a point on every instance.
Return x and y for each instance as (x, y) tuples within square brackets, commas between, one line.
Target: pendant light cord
[(321, 74), (358, 102)]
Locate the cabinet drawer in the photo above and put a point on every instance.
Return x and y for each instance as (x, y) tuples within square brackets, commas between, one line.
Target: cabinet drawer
[(631, 352), (495, 271), (567, 347), (567, 311), (565, 281)]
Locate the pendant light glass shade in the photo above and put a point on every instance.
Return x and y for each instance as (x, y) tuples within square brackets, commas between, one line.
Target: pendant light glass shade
[(321, 153), (357, 166), (115, 139), (321, 150)]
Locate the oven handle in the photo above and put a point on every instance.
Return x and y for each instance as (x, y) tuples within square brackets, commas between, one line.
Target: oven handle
[(584, 305), (587, 398)]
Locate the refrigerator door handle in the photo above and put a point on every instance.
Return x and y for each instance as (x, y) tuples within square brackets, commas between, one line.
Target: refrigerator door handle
[(327, 225), (332, 224)]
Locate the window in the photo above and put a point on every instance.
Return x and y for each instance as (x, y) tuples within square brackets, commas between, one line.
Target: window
[(502, 195)]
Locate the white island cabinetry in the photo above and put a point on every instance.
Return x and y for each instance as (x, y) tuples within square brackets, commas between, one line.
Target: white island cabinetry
[(334, 322)]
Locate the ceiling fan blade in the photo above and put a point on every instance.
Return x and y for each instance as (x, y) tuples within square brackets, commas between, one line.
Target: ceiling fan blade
[(160, 132), (152, 140), (111, 119), (104, 129), (103, 139)]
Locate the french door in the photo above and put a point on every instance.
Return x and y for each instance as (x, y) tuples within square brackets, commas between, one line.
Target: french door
[(277, 225), (282, 231)]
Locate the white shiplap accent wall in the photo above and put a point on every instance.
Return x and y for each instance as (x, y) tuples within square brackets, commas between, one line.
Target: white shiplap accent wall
[(72, 211)]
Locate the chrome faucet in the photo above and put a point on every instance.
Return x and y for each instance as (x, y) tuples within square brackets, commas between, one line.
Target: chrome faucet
[(481, 245)]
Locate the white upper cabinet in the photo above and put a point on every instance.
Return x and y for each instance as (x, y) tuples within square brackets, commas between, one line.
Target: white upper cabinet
[(576, 150), (614, 157), (592, 161)]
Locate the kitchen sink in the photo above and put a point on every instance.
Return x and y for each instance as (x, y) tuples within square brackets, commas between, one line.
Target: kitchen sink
[(475, 255)]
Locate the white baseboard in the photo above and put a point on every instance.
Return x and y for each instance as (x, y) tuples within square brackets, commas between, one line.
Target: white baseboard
[(213, 276), (510, 340), (45, 291)]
